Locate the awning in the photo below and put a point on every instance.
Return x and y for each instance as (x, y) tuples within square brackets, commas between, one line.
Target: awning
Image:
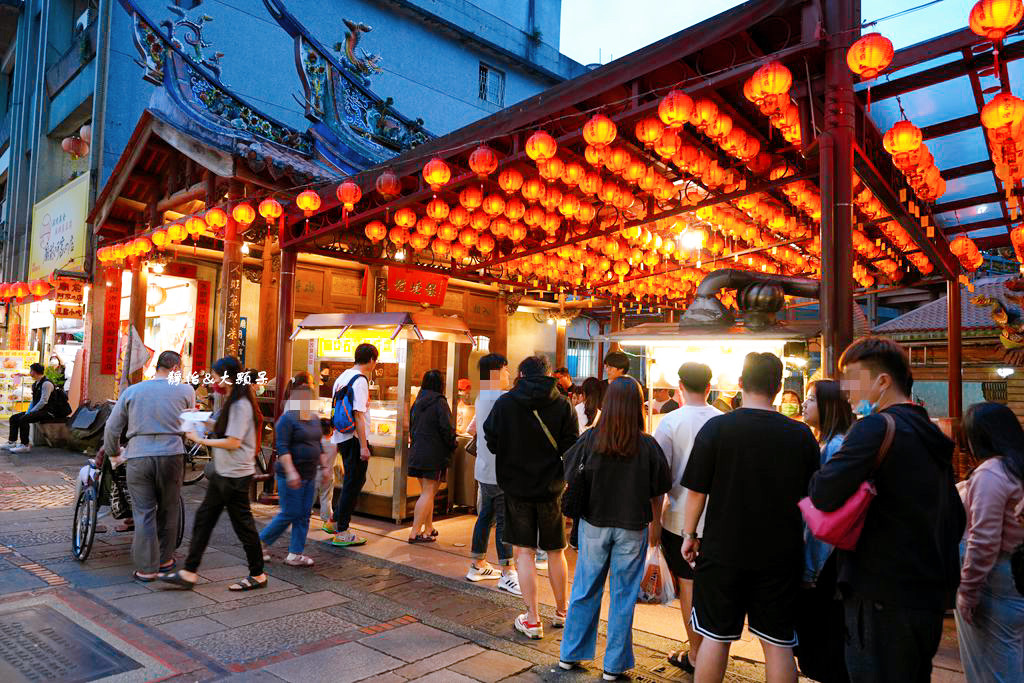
[(416, 326)]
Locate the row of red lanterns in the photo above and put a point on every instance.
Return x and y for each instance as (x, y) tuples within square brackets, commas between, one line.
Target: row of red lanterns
[(21, 290)]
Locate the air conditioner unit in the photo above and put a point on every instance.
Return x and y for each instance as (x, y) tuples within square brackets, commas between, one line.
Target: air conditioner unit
[(84, 19)]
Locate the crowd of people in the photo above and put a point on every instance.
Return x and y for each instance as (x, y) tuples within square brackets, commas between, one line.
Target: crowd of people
[(717, 490)]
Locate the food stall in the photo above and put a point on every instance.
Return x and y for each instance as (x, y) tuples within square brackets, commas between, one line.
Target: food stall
[(15, 382), (409, 344), (722, 348)]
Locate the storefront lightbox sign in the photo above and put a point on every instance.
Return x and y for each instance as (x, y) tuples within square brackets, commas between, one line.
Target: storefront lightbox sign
[(59, 229), (63, 310), (416, 286), (345, 348)]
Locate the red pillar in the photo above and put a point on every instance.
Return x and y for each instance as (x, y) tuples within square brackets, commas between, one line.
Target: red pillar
[(955, 358), (841, 20)]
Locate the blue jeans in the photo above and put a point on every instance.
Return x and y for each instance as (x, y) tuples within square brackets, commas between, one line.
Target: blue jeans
[(296, 506), (992, 649), (490, 511), (604, 549)]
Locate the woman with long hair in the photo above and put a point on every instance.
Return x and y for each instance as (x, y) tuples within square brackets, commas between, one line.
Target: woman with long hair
[(299, 463), (432, 443), (589, 409), (626, 476), (234, 439), (820, 618), (989, 608)]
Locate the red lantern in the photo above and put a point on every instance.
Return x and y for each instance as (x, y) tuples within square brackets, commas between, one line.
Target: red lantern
[(405, 218), (510, 180), (436, 173), (39, 288), (243, 214), (375, 231), (20, 290), (618, 159), (514, 209), (270, 209), (308, 202), (471, 197), (517, 233), (569, 205), (704, 113), (388, 185), (398, 235), (426, 226), (194, 225), (440, 247), (483, 161), (599, 131), (675, 109), (176, 232), (159, 238), (541, 146), (218, 217), (485, 244), (459, 216), (993, 19), (447, 232), (459, 251), (772, 79), (870, 55), (438, 209), (493, 204), (573, 174), (590, 183), (418, 242), (479, 221), (551, 169), (533, 190), (1004, 111), (468, 237), (349, 194), (649, 130), (903, 137)]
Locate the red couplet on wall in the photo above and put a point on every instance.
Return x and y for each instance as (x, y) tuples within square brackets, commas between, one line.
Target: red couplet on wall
[(201, 330), (111, 322), (417, 286)]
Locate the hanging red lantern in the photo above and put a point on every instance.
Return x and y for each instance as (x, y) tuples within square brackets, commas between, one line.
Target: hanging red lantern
[(469, 237), (308, 202), (870, 55), (388, 185), (569, 205), (573, 174), (440, 247), (405, 217), (243, 214), (514, 209), (517, 233), (447, 231), (459, 251), (493, 204), (534, 216), (39, 288), (485, 244), (675, 108), (551, 198), (499, 227), (426, 226), (1004, 111), (719, 128), (471, 197), (398, 235), (194, 225), (773, 79), (595, 156), (270, 209), (349, 194), (159, 238), (704, 113), (668, 144), (218, 217), (176, 232), (541, 146), (551, 169), (479, 221), (649, 130), (510, 180), (20, 290), (903, 137), (590, 183), (459, 216), (599, 131), (618, 159), (993, 19), (483, 161), (438, 209), (418, 242), (533, 189), (436, 173), (375, 231), (586, 212)]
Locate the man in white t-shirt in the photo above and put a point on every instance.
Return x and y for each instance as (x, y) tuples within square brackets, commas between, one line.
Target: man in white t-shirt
[(675, 434), (353, 447)]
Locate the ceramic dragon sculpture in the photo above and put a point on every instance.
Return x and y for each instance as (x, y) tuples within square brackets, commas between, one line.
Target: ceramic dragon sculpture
[(366, 64), (1009, 319)]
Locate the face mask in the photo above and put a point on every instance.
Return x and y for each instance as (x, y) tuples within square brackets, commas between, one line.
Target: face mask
[(220, 388), (865, 407), (789, 409), (54, 363)]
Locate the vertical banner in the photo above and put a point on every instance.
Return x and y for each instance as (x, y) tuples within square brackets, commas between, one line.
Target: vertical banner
[(59, 229), (201, 338), (111, 323), (233, 314)]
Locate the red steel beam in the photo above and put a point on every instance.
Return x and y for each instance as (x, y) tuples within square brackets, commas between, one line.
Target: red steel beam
[(958, 125), (967, 169)]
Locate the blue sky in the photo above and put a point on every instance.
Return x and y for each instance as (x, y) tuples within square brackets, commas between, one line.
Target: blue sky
[(618, 27)]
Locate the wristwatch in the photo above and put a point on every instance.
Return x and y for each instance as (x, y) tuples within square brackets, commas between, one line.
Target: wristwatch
[(688, 535)]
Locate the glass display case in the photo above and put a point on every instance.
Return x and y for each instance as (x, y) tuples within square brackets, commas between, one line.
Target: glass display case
[(409, 344)]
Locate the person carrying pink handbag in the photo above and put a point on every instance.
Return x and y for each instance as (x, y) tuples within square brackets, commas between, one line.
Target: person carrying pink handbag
[(903, 571)]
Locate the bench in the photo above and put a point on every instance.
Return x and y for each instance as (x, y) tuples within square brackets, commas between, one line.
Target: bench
[(53, 433)]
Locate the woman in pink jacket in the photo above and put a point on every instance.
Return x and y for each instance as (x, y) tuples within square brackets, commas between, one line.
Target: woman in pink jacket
[(989, 608)]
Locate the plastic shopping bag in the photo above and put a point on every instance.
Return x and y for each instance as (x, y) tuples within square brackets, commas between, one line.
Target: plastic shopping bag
[(657, 587)]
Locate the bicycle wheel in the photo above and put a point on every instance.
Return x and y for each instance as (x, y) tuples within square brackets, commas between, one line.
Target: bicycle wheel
[(196, 457), (83, 528), (181, 521)]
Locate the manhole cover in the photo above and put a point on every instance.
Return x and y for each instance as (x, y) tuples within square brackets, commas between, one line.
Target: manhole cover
[(38, 643)]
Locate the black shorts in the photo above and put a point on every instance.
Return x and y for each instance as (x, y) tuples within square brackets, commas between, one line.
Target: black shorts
[(672, 551), (723, 595), (433, 475), (534, 524)]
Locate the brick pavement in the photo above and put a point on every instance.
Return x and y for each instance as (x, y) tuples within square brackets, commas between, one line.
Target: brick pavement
[(352, 617)]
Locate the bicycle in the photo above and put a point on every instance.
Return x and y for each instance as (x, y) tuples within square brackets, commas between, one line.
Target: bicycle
[(100, 484), (196, 458)]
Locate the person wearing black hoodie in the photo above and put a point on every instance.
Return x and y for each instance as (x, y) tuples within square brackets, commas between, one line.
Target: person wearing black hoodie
[(432, 437), (905, 570), (529, 430)]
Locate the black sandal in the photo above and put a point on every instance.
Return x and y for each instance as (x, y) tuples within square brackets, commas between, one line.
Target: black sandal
[(422, 538), (248, 584), (144, 579), (176, 579)]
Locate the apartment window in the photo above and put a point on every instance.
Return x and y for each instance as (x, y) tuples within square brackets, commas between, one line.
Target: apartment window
[(492, 85), (83, 13), (581, 358)]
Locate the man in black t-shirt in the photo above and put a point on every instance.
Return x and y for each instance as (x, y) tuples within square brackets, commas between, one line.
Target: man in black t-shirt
[(751, 466)]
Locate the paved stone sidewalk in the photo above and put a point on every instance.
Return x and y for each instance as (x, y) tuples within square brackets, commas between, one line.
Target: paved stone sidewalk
[(351, 617)]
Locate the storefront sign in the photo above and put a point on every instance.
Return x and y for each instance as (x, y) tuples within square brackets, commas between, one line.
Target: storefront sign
[(201, 338), (69, 290), (345, 348), (233, 312), (417, 286), (62, 310), (59, 229), (111, 323), (309, 289)]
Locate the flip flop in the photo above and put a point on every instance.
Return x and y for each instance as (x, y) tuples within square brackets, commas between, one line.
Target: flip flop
[(422, 539), (681, 659), (175, 578), (144, 579), (248, 584), (341, 543), (169, 567)]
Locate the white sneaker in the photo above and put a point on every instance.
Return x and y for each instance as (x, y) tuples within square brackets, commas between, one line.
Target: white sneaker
[(510, 583), (20, 449), (533, 632), (541, 562), (558, 621), (9, 445), (482, 573)]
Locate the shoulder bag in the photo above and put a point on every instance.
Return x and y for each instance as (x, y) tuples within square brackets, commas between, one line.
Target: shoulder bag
[(576, 498), (841, 528)]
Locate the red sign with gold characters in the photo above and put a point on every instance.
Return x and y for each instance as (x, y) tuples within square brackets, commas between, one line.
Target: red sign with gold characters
[(69, 290), (76, 311), (111, 322), (417, 286)]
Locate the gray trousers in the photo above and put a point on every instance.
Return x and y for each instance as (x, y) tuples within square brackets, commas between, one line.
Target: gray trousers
[(154, 483)]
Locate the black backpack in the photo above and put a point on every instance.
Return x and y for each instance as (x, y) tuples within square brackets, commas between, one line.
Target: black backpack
[(58, 405)]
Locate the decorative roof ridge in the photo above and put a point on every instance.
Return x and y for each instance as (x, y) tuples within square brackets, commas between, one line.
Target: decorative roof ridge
[(147, 36), (376, 120)]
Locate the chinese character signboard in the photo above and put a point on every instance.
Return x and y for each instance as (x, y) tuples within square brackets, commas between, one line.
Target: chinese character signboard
[(111, 323), (417, 286), (62, 310), (200, 340), (345, 348), (69, 290), (58, 230)]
